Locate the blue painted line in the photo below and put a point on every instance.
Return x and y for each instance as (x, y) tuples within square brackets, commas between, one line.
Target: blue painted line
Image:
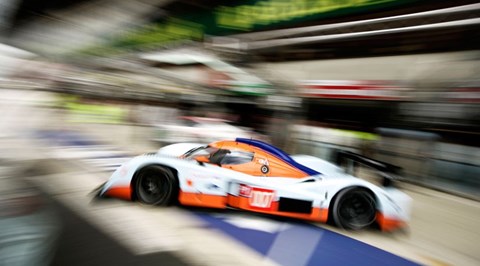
[(64, 138), (306, 244), (73, 139), (258, 240)]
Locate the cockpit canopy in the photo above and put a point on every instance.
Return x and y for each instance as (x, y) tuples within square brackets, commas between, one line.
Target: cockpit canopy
[(250, 157), (219, 156)]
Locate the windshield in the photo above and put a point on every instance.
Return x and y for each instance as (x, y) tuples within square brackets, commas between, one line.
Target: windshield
[(200, 151), (211, 154)]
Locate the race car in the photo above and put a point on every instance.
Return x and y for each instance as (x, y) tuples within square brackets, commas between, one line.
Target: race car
[(256, 176)]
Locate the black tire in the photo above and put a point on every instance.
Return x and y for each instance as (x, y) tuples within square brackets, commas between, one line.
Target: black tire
[(156, 185), (354, 209)]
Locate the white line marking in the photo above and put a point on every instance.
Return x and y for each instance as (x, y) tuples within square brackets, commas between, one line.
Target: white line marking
[(290, 242)]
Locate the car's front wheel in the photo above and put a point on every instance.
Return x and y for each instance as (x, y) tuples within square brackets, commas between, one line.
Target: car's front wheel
[(156, 185), (354, 208)]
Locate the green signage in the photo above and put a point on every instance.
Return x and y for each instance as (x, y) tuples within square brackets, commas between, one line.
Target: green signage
[(231, 17), (264, 13)]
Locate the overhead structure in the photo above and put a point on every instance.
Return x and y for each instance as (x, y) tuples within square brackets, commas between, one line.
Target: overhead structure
[(453, 24)]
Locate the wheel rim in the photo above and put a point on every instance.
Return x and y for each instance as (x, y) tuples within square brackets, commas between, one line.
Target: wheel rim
[(357, 210), (153, 188)]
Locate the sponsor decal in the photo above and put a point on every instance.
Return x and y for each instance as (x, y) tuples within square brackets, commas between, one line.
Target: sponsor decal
[(245, 191), (263, 161), (258, 198)]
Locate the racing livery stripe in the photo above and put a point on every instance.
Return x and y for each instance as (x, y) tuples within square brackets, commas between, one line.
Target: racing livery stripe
[(202, 200), (120, 192), (245, 203), (316, 214), (278, 153), (388, 224)]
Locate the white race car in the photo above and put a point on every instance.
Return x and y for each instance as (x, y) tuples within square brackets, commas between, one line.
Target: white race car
[(255, 176)]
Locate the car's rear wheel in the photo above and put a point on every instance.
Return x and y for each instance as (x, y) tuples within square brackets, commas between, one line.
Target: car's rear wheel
[(156, 185), (354, 209)]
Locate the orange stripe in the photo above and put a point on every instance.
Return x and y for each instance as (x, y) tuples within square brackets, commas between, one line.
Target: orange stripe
[(203, 200), (317, 214), (388, 224), (120, 192)]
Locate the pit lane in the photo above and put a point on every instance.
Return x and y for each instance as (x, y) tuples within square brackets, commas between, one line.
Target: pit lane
[(442, 232)]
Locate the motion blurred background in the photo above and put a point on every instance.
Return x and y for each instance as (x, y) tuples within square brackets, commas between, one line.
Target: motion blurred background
[(396, 80)]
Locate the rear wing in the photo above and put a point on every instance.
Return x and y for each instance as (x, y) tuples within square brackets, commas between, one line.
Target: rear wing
[(350, 162)]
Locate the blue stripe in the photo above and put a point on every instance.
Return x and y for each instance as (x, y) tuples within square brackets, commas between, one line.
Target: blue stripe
[(318, 246), (278, 153), (64, 138)]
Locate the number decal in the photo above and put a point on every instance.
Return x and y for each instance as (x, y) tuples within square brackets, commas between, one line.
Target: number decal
[(258, 198), (264, 169)]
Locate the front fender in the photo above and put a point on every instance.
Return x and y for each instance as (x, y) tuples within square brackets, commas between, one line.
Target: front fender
[(119, 184)]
